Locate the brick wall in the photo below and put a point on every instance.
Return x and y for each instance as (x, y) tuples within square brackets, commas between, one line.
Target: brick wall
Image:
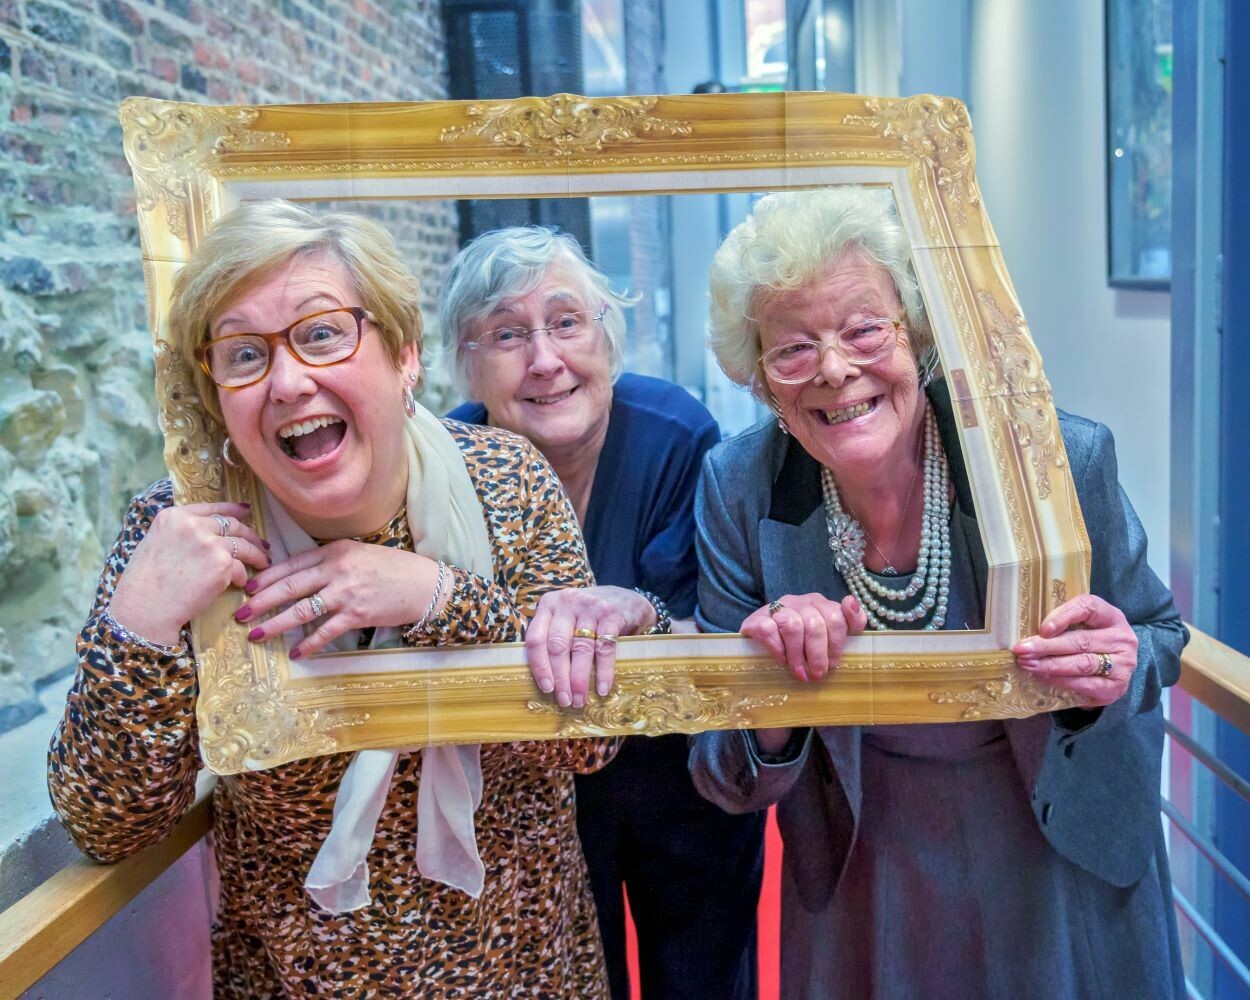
[(77, 428)]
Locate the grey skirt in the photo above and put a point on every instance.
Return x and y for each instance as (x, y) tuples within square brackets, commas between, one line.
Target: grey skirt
[(951, 890)]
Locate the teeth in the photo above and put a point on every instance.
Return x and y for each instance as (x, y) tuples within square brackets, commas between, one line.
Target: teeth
[(549, 399), (307, 427), (847, 413)]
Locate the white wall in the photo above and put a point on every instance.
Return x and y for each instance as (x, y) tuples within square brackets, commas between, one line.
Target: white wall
[(1037, 101)]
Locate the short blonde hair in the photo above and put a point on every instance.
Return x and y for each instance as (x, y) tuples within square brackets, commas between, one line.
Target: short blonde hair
[(790, 239), (249, 244)]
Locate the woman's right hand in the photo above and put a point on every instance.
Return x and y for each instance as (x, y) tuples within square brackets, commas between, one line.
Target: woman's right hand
[(183, 563), (806, 632), (576, 629)]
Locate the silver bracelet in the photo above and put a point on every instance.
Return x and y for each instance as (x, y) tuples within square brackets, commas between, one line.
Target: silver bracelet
[(123, 634), (438, 596)]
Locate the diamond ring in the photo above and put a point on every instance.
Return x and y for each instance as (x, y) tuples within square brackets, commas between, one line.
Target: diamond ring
[(318, 605), (223, 523)]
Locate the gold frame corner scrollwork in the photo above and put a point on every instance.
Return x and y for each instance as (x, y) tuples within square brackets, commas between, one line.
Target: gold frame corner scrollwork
[(191, 163)]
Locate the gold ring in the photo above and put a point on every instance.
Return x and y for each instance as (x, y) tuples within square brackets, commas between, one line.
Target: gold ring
[(586, 633), (774, 607), (1104, 665)]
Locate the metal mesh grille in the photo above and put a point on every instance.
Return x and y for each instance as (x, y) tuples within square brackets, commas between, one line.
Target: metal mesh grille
[(500, 49)]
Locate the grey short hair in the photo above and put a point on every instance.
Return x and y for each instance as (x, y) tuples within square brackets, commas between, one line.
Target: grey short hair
[(508, 263), (791, 238)]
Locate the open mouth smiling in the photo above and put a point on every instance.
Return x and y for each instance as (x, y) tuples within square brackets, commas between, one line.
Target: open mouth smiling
[(558, 397), (843, 414), (307, 440)]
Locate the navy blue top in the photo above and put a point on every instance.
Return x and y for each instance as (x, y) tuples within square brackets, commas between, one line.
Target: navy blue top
[(639, 526)]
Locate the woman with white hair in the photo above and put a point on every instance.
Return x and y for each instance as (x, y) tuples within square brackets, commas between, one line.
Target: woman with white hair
[(536, 334), (979, 859)]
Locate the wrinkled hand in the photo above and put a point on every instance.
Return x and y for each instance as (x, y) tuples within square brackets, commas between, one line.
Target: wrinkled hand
[(1065, 650), (807, 632), (560, 660), (182, 564), (360, 585)]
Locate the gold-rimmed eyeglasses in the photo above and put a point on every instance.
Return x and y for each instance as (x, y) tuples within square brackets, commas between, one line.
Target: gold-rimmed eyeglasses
[(569, 327), (861, 343), (325, 338)]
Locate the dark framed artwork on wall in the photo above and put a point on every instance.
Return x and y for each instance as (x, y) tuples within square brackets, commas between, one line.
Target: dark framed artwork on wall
[(1139, 143)]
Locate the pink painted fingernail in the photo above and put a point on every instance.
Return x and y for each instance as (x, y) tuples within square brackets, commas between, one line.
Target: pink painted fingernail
[(244, 503), (296, 653), (251, 586), (243, 614), (256, 633), (266, 544)]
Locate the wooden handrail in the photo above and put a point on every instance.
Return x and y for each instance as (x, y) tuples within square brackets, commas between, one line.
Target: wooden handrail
[(54, 918), (1218, 676), (40, 929)]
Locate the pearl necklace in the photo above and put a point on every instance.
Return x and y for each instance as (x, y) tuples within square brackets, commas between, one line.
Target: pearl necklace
[(933, 568)]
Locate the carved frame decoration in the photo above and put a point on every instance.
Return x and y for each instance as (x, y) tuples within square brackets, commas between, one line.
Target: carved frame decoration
[(257, 709)]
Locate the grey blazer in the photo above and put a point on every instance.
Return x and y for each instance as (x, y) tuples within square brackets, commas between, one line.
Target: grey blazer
[(1092, 775)]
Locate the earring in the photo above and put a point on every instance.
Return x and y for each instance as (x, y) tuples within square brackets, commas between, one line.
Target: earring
[(771, 402), (927, 366), (225, 452), (410, 397)]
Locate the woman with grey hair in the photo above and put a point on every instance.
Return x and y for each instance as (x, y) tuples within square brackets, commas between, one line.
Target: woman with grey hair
[(979, 859), (536, 333)]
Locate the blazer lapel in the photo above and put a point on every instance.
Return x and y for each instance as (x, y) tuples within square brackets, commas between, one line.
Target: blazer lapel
[(795, 558)]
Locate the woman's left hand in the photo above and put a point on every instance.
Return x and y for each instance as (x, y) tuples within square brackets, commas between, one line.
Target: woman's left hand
[(1085, 646), (357, 584)]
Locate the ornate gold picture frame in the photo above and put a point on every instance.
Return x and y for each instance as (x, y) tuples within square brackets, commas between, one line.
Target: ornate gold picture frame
[(258, 709)]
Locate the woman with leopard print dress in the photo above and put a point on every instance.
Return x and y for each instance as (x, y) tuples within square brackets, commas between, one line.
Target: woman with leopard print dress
[(384, 522)]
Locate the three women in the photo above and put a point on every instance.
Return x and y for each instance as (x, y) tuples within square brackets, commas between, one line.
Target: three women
[(976, 859)]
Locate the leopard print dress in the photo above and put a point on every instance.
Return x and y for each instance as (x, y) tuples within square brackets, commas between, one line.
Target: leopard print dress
[(124, 759)]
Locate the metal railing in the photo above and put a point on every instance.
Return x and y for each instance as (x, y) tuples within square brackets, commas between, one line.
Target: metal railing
[(1219, 677), (39, 930)]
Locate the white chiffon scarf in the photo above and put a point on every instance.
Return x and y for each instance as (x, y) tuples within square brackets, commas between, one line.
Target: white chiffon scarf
[(446, 521)]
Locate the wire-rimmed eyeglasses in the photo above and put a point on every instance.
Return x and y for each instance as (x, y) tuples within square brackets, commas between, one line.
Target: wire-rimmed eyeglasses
[(860, 343), (325, 338), (568, 327)]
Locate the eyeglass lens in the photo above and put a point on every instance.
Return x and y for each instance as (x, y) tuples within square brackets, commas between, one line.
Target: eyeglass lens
[(861, 344), (317, 340), (566, 327)]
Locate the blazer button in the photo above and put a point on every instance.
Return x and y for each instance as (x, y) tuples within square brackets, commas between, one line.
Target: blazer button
[(1048, 810)]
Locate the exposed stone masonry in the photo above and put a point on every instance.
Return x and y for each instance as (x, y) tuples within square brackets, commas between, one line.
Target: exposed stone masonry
[(78, 434)]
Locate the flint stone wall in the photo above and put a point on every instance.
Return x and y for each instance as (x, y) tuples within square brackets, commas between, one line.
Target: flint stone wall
[(78, 433)]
